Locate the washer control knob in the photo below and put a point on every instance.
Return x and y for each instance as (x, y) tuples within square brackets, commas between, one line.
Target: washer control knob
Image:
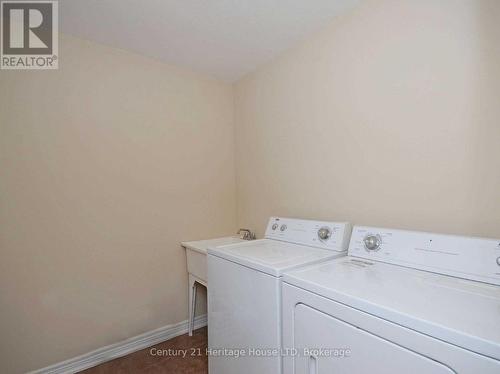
[(498, 261), (324, 233), (372, 242), (283, 227), (274, 226)]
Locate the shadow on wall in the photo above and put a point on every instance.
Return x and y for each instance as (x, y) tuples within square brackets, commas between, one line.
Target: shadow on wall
[(485, 116)]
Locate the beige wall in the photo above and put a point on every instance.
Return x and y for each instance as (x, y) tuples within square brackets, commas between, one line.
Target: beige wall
[(105, 165), (389, 117)]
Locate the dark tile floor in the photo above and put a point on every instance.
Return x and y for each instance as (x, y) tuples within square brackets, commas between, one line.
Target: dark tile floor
[(195, 361)]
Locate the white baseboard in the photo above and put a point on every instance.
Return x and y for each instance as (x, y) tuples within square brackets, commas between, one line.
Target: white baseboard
[(110, 352)]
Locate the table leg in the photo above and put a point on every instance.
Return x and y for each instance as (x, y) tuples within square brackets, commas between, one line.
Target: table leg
[(192, 303)]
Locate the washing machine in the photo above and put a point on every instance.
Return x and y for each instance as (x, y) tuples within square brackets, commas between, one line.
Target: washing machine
[(244, 297), (400, 302)]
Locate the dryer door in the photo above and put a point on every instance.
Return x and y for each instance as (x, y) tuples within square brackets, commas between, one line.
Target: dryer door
[(327, 345)]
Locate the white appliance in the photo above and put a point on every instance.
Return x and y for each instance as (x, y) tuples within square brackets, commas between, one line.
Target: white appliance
[(400, 302), (244, 297), (196, 259)]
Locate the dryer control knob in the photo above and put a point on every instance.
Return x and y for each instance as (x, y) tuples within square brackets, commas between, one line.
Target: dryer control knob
[(324, 233), (372, 242)]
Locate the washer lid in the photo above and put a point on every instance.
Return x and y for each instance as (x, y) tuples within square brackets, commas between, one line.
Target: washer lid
[(462, 312), (272, 256), (202, 245)]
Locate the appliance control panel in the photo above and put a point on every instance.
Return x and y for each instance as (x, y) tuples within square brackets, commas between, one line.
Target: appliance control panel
[(322, 234), (459, 256)]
